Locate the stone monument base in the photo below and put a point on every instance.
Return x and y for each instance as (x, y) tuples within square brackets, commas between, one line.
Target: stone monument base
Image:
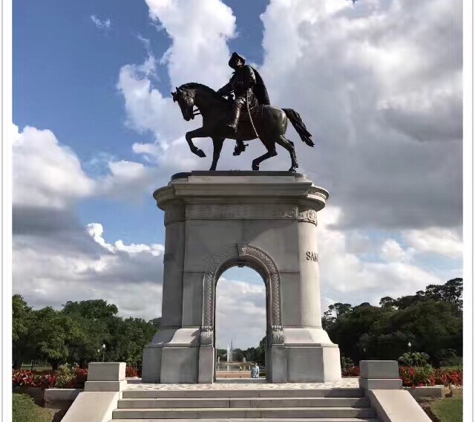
[(266, 221)]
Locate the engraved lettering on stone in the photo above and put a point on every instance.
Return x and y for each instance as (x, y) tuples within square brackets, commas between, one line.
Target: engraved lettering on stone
[(240, 212), (311, 256)]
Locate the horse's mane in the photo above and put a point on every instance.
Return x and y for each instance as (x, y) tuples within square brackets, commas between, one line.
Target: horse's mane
[(195, 85)]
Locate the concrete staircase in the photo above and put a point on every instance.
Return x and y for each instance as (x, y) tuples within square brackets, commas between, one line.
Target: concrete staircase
[(319, 405)]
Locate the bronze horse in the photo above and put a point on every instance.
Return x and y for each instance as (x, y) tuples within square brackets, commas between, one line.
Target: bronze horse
[(268, 123)]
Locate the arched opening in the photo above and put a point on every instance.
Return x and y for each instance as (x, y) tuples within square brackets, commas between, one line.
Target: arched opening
[(240, 324), (242, 254)]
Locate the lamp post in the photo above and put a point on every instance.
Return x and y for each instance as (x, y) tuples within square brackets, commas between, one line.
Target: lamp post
[(409, 345), (103, 351)]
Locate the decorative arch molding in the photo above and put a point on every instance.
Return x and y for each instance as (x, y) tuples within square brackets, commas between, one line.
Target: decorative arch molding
[(256, 258)]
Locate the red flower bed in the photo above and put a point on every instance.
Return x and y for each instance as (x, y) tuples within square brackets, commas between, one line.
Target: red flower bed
[(25, 378), (448, 377), (354, 371), (415, 376), (52, 379), (131, 372), (427, 376)]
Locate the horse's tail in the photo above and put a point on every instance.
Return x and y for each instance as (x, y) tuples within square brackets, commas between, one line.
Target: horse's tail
[(299, 126)]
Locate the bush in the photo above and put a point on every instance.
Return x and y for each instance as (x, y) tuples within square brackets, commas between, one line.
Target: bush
[(414, 359), (413, 376), (346, 363)]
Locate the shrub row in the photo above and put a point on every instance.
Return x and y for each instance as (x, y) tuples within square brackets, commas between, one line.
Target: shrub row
[(414, 376), (65, 377)]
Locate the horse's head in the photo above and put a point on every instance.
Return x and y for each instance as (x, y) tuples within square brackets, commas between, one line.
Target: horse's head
[(185, 99)]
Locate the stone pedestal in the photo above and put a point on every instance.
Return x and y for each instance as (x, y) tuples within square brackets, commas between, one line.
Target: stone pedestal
[(266, 221)]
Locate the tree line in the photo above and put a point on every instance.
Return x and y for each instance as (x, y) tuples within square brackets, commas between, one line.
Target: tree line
[(77, 333), (430, 321)]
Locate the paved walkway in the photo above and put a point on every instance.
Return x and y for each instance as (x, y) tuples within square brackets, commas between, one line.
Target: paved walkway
[(136, 384)]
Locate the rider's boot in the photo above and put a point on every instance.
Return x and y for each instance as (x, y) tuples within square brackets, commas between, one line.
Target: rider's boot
[(232, 126), (240, 147)]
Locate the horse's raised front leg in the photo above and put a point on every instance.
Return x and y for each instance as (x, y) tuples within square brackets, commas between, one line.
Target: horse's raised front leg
[(197, 133), (218, 146)]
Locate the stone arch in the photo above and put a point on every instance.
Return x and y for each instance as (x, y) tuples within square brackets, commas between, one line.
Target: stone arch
[(242, 254)]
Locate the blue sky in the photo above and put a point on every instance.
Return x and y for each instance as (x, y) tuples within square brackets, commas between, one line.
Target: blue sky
[(65, 77), (92, 81)]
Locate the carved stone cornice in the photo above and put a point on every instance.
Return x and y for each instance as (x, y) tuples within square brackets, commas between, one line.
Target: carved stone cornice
[(308, 215)]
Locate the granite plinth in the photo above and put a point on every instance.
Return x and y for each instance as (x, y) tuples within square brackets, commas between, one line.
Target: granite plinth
[(266, 221)]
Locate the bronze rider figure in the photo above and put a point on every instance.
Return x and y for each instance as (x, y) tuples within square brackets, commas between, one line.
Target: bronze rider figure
[(248, 88)]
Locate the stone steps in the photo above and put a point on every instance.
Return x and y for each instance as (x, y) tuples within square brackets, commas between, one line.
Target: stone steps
[(244, 405), (243, 393), (239, 402), (254, 420), (229, 413)]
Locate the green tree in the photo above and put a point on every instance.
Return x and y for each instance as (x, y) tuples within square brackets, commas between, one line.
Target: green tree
[(127, 339), (156, 322), (22, 347), (97, 309), (261, 351), (50, 334), (350, 326)]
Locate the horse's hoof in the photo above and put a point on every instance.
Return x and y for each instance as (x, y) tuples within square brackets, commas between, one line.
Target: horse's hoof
[(292, 170), (200, 153), (255, 168)]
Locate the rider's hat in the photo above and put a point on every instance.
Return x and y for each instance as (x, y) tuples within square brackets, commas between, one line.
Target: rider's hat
[(235, 56)]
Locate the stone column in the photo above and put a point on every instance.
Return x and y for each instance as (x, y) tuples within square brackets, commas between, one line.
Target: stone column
[(310, 301)]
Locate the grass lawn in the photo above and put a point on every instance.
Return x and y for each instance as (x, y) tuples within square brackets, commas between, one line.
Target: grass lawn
[(450, 408), (25, 410)]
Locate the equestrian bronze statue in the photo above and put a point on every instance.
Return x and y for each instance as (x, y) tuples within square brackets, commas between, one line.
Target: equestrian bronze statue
[(246, 117)]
